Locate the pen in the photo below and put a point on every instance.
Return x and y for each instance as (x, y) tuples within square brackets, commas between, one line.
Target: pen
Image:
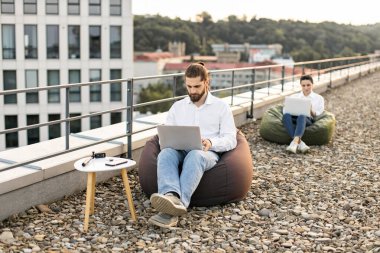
[(86, 162)]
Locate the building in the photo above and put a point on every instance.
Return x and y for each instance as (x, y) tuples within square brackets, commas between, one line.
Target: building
[(52, 42), (247, 52), (177, 48), (223, 79), (228, 57)]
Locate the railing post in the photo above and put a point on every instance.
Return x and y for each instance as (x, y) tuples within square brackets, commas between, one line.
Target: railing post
[(330, 85), (269, 70), (232, 86), (67, 115), (348, 70), (283, 78), (129, 116), (253, 80), (319, 69), (174, 85), (293, 73)]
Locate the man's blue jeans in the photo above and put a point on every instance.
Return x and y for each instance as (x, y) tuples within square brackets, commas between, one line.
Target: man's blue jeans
[(194, 164), (295, 125)]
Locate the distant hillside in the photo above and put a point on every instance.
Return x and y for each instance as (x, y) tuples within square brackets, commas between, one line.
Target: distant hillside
[(304, 41)]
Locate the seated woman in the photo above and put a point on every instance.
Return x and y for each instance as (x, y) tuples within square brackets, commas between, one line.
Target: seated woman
[(319, 133), (295, 125)]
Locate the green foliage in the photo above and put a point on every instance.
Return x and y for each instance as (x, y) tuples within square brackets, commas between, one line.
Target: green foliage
[(304, 41), (155, 92)]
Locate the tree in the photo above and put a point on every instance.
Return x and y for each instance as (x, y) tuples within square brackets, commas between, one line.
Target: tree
[(155, 92), (303, 40)]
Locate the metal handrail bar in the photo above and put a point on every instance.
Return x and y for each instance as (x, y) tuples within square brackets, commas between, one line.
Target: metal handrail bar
[(131, 106), (59, 86), (335, 59), (63, 86), (147, 103), (10, 130), (26, 162)]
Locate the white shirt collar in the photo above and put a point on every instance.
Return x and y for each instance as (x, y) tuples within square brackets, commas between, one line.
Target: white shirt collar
[(209, 99)]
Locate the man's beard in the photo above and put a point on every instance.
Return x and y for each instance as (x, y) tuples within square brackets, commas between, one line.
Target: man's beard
[(196, 97)]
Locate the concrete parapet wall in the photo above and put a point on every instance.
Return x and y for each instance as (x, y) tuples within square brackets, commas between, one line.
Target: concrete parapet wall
[(53, 178)]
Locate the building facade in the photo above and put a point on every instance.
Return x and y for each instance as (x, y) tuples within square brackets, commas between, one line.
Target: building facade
[(53, 42), (249, 53)]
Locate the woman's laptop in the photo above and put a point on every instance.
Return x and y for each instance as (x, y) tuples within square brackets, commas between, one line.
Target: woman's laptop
[(297, 106), (179, 137)]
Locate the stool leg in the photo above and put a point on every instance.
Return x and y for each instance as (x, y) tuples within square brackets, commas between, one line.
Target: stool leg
[(92, 209), (128, 193), (89, 198)]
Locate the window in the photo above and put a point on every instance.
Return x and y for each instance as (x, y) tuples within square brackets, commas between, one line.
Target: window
[(74, 41), (34, 133), (115, 87), (94, 7), (75, 125), (115, 42), (30, 6), (53, 79), (9, 80), (52, 41), (30, 40), (55, 129), (7, 6), (95, 89), (73, 7), (115, 7), (31, 81), (8, 41), (11, 139), (52, 7), (115, 117), (95, 121), (95, 39), (74, 92)]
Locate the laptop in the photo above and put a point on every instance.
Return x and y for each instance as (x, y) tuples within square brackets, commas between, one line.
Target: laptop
[(179, 137), (297, 106)]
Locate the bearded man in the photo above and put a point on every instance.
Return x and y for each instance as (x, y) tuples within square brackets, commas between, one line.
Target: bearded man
[(218, 131)]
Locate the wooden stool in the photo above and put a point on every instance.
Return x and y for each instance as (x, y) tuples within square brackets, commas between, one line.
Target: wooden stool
[(98, 165)]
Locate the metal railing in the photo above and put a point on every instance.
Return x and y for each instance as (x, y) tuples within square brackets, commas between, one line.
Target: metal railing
[(268, 80)]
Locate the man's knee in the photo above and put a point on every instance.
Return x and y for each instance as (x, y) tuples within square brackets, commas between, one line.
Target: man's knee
[(195, 154), (167, 152)]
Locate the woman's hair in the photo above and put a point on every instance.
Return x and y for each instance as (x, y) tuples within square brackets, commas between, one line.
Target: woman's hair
[(306, 77), (197, 69)]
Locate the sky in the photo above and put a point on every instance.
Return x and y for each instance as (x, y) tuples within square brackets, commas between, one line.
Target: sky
[(358, 12)]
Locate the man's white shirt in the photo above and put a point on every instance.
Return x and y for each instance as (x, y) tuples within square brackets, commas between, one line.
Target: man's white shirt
[(214, 118)]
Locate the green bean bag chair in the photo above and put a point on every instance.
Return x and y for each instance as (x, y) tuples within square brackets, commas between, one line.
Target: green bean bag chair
[(319, 133)]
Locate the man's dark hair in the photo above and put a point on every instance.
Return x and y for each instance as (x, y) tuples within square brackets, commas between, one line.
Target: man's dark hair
[(307, 77), (197, 69)]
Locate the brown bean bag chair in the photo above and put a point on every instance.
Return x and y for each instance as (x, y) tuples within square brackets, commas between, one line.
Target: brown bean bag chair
[(228, 181)]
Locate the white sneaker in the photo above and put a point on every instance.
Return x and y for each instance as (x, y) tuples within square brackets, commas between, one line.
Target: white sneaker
[(292, 147), (302, 147), (168, 204)]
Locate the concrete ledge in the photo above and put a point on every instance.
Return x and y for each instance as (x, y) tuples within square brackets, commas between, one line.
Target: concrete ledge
[(22, 187)]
